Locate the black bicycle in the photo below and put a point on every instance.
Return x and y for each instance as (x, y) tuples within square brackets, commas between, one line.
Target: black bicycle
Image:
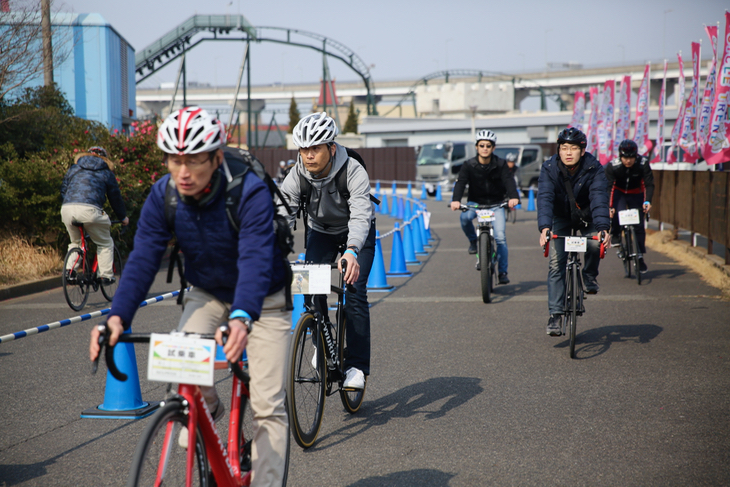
[(629, 248), (318, 351), (574, 287), (487, 247), (79, 274)]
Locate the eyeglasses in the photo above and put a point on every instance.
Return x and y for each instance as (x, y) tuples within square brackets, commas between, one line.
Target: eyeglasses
[(486, 146), (191, 164)]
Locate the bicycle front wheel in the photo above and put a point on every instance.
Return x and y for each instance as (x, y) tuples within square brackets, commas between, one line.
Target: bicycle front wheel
[(307, 381), (110, 289), (572, 315), (160, 460), (74, 279), (351, 398), (635, 256), (628, 248), (485, 260)]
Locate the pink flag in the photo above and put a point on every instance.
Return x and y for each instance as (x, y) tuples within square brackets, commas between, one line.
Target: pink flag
[(605, 123), (641, 126), (717, 149), (579, 107), (677, 129), (703, 119), (659, 146), (592, 134), (623, 124), (688, 139)]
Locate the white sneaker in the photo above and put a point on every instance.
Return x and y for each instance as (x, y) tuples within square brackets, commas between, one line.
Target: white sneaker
[(182, 440), (354, 379)]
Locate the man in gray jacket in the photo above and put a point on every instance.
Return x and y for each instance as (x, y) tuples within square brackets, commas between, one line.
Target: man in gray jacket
[(337, 223)]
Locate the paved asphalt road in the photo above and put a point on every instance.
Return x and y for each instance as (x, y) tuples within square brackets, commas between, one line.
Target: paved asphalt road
[(461, 393)]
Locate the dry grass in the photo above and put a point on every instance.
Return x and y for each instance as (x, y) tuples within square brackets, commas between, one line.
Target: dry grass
[(663, 242), (21, 262)]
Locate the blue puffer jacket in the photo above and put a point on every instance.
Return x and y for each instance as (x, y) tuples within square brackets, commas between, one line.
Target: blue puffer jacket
[(590, 188), (241, 269), (90, 182)]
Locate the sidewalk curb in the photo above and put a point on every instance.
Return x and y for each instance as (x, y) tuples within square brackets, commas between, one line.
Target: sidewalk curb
[(18, 290), (700, 252)]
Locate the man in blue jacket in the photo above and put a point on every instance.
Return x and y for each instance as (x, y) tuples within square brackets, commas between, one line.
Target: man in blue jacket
[(557, 214), (237, 277), (85, 188)]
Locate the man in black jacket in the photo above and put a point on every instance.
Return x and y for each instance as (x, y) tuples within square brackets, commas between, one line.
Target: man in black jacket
[(631, 184), (490, 182)]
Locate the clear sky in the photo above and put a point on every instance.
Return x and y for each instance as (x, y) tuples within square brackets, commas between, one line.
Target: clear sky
[(407, 39)]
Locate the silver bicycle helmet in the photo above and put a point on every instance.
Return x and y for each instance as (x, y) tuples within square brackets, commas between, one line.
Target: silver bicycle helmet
[(487, 135), (314, 129), (190, 130)]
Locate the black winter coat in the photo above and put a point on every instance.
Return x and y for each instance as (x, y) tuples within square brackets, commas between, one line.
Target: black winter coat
[(489, 184), (637, 179)]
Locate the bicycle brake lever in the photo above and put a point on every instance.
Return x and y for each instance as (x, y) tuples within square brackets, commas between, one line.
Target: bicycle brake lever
[(100, 341)]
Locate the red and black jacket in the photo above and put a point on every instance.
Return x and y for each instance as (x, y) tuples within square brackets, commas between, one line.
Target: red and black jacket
[(637, 179)]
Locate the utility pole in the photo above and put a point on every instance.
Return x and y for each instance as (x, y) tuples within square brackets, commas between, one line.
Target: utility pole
[(47, 47)]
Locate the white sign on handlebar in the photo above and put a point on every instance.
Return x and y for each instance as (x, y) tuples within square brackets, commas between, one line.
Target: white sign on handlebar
[(485, 215), (181, 359), (575, 244), (311, 279), (628, 217)]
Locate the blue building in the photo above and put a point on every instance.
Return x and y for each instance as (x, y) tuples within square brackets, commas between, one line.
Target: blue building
[(98, 74)]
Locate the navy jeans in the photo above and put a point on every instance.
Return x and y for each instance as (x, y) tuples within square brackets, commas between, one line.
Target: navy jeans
[(558, 259), (323, 248), (625, 201), (499, 225)]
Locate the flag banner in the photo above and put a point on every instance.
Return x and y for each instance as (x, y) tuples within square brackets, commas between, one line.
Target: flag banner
[(605, 123), (703, 120), (717, 149), (677, 129), (592, 135), (659, 146), (641, 126), (688, 139), (623, 123), (579, 107)]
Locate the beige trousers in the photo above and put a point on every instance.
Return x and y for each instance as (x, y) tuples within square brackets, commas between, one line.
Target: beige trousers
[(267, 351), (96, 223)]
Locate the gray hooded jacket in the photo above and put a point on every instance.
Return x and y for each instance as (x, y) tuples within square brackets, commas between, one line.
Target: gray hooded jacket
[(328, 210)]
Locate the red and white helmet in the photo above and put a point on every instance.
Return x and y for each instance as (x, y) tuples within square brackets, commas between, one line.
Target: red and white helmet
[(314, 129), (190, 130)]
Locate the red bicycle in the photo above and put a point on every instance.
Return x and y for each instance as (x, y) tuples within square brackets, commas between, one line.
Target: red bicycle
[(159, 459), (79, 273)]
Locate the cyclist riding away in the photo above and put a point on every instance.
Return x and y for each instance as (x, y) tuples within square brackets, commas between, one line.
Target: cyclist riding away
[(490, 182), (571, 194), (237, 277), (85, 188), (336, 221), (632, 186)]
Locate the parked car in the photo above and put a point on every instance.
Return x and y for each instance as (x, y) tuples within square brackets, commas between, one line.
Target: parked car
[(439, 163), (529, 161)]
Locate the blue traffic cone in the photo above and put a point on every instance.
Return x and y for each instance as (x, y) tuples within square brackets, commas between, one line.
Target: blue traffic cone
[(438, 193), (407, 213), (531, 200), (123, 400), (424, 193), (377, 206), (422, 228), (401, 209), (384, 204), (377, 282), (408, 246), (394, 207), (417, 237), (393, 187), (410, 194), (297, 301), (377, 186), (397, 257)]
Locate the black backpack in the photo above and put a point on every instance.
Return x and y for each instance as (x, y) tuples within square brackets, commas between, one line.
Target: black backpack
[(305, 188), (239, 162)]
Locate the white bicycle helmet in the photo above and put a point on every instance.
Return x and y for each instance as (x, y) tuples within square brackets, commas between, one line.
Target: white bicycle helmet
[(314, 129), (190, 130), (487, 135)]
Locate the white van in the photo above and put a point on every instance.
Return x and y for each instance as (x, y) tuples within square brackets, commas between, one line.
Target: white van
[(439, 163)]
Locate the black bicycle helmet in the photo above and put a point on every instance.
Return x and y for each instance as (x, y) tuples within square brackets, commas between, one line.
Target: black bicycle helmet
[(628, 148), (573, 136)]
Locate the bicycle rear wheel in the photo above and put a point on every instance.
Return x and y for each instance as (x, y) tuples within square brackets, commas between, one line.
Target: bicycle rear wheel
[(351, 398), (160, 460), (110, 289), (74, 279), (307, 381), (635, 255), (485, 260), (572, 312)]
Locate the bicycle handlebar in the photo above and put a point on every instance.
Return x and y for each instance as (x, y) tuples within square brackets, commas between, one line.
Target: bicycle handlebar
[(602, 251), (145, 338), (463, 208)]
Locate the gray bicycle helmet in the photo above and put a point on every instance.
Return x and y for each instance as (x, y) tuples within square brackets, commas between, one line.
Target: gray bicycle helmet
[(314, 129), (486, 135)]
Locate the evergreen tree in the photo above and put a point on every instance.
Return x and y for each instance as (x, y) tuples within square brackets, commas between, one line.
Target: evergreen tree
[(294, 116), (351, 122)]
